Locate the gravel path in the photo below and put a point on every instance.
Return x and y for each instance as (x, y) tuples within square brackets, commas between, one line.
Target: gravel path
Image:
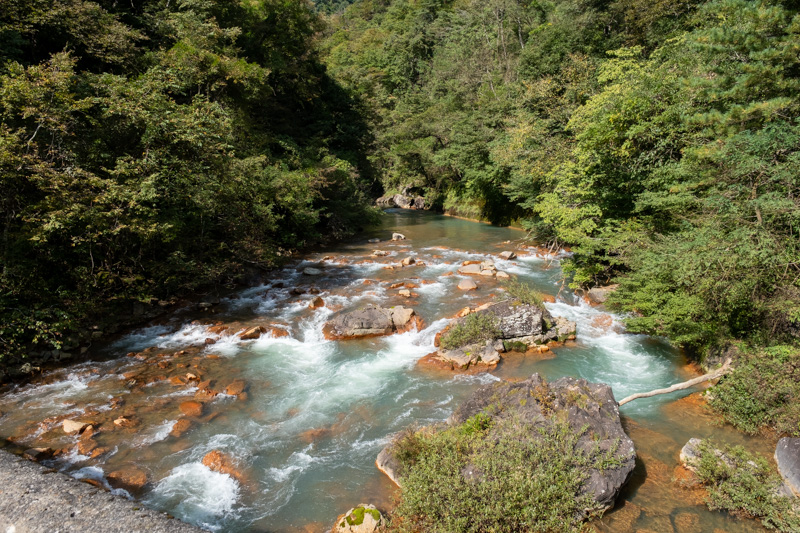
[(34, 498)]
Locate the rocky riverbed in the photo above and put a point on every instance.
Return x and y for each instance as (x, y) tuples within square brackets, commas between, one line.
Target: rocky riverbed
[(266, 410)]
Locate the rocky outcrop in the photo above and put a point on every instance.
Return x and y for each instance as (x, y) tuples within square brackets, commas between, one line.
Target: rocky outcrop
[(371, 321), (362, 519), (530, 324), (473, 354), (787, 456), (404, 201), (589, 409), (690, 454), (478, 268)]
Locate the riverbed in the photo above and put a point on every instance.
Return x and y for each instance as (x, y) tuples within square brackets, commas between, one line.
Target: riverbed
[(313, 414)]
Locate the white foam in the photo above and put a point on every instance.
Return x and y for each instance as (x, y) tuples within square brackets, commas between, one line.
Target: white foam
[(194, 491), (155, 434)]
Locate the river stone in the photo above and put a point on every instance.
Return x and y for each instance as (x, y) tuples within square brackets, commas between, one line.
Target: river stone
[(72, 427), (474, 269), (690, 454), (507, 255), (362, 519), (599, 295), (502, 275), (787, 455), (408, 261), (519, 320), (369, 321), (588, 408), (311, 271), (467, 285), (398, 237)]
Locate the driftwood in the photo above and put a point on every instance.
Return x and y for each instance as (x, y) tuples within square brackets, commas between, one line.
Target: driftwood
[(718, 373)]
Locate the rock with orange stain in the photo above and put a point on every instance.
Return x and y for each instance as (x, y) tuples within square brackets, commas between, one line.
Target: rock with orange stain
[(602, 321), (548, 298), (464, 312), (236, 387), (178, 380), (252, 333), (218, 329), (130, 478), (180, 427), (224, 464), (313, 435), (316, 303), (191, 408)]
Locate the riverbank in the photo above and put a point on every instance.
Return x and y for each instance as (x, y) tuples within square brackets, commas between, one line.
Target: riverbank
[(37, 499)]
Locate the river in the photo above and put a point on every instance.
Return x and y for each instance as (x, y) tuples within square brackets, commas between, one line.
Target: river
[(316, 412)]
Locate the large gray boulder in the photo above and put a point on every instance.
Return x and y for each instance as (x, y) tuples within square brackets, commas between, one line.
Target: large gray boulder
[(473, 354), (589, 409), (599, 295), (787, 455), (530, 324), (370, 321)]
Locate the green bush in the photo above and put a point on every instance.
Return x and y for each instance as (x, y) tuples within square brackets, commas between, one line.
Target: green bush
[(490, 475), (745, 486), (476, 327), (522, 292), (763, 391)]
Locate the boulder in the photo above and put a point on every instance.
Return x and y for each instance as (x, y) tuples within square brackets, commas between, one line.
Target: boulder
[(473, 269), (180, 427), (380, 253), (191, 408), (405, 293), (385, 201), (408, 261), (599, 295), (252, 333), (311, 271), (467, 285), (398, 237), (589, 409), (362, 519), (131, 479), (690, 454), (316, 303), (507, 255), (566, 329), (472, 354), (236, 387), (502, 275), (787, 455), (370, 321), (71, 427), (219, 462)]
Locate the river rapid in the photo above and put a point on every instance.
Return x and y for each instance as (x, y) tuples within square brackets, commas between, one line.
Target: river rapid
[(315, 413)]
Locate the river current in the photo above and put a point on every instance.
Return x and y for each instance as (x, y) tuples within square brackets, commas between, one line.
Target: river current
[(317, 412)]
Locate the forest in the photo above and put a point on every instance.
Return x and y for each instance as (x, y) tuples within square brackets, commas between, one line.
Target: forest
[(153, 149), (658, 140)]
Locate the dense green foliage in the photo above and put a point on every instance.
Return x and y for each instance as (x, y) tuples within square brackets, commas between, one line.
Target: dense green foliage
[(516, 483), (659, 140), (523, 293), (745, 485), (474, 328), (762, 391), (152, 148)]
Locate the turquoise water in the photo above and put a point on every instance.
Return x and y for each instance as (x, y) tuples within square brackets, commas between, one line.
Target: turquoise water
[(319, 411)]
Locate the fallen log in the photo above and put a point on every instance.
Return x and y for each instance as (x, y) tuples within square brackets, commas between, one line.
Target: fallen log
[(718, 373)]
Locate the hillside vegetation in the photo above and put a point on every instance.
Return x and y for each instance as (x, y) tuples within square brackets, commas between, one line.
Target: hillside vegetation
[(151, 148), (660, 140)]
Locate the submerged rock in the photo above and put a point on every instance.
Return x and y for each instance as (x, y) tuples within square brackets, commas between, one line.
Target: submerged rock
[(362, 519), (589, 409), (467, 285), (219, 462), (507, 255), (311, 271), (371, 321), (131, 479)]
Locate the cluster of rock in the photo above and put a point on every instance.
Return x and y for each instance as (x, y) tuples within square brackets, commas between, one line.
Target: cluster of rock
[(371, 321), (517, 324), (482, 268), (409, 198), (589, 409)]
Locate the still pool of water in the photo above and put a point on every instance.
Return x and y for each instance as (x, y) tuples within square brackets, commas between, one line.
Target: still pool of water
[(317, 412)]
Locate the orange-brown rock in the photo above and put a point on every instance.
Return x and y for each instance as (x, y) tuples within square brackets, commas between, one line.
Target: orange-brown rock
[(191, 408), (236, 387), (278, 332), (180, 427), (131, 479), (547, 298), (602, 321), (38, 454), (313, 435), (177, 380), (252, 333), (467, 263), (126, 422), (396, 285), (100, 450), (316, 303), (222, 463), (218, 330)]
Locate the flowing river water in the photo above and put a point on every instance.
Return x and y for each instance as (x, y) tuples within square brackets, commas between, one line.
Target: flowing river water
[(315, 413)]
